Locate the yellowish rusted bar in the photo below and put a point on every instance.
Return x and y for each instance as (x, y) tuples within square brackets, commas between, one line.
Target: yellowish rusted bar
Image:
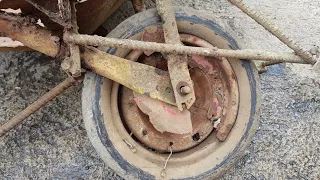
[(141, 78)]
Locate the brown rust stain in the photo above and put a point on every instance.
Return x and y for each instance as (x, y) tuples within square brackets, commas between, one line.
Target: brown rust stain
[(25, 30), (139, 77), (207, 108), (225, 102), (90, 14), (164, 117)]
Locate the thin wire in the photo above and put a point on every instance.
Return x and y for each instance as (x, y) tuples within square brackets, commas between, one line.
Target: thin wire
[(165, 164), (130, 146)]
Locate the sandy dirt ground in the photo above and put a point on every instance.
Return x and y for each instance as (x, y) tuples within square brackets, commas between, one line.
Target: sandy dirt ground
[(52, 144)]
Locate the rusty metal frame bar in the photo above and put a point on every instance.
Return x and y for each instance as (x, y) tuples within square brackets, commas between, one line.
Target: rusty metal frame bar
[(174, 49), (25, 30), (141, 78), (8, 22), (71, 64), (241, 54), (177, 64)]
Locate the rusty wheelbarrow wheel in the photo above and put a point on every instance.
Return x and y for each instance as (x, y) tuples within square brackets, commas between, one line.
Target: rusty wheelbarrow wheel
[(132, 147)]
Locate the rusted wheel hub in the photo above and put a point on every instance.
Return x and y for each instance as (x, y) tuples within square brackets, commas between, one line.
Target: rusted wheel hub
[(214, 98)]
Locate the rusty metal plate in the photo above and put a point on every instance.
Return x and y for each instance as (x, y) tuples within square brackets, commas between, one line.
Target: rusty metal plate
[(177, 64), (212, 96)]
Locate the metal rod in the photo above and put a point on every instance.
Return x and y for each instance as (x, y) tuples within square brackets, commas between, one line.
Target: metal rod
[(177, 49), (138, 77), (16, 120), (169, 24), (163, 172), (273, 29)]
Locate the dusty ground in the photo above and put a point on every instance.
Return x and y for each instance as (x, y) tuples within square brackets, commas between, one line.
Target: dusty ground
[(52, 144)]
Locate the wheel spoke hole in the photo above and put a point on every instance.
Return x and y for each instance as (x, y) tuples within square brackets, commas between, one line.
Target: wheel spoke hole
[(144, 132), (196, 137)]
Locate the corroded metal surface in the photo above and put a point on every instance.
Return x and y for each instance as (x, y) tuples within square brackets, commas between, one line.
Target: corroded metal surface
[(26, 31), (164, 117), (90, 14), (160, 114), (177, 64), (169, 48), (74, 60), (16, 120), (273, 29), (208, 75), (169, 24), (158, 111), (152, 34), (141, 78), (217, 99), (226, 120)]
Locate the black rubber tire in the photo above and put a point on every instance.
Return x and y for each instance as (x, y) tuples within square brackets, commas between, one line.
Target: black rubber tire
[(249, 91)]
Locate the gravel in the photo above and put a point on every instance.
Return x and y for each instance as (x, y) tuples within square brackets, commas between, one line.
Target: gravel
[(52, 144)]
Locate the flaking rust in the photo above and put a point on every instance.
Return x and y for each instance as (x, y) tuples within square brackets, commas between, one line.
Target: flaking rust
[(177, 64), (164, 117), (71, 64), (249, 54), (147, 80), (25, 30)]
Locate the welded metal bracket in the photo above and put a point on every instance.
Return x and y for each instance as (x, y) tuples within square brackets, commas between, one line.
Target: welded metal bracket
[(141, 78), (71, 64), (177, 64)]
